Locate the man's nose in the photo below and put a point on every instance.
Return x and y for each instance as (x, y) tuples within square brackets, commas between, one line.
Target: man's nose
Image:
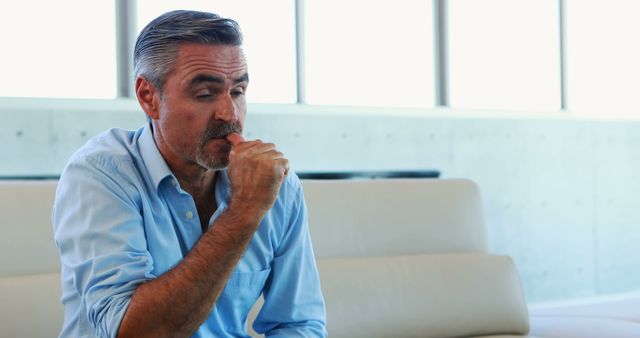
[(226, 110)]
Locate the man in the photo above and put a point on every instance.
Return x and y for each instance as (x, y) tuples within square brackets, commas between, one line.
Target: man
[(175, 230)]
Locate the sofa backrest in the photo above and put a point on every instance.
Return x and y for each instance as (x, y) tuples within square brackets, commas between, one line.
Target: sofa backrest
[(355, 218), (347, 218)]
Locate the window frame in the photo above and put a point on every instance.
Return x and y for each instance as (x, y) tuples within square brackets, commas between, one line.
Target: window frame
[(125, 30)]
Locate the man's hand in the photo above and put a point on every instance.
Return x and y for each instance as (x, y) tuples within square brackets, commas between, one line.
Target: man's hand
[(256, 171)]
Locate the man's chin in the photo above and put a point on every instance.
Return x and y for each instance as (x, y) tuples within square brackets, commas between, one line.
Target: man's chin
[(211, 164), (214, 154), (217, 161)]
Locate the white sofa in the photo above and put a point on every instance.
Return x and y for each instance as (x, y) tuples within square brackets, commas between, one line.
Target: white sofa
[(408, 258), (29, 266), (397, 258)]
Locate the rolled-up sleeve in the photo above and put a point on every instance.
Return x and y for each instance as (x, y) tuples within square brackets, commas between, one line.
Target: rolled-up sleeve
[(99, 231), (293, 301)]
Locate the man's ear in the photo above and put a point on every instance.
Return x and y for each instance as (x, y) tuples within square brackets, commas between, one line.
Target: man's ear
[(148, 97)]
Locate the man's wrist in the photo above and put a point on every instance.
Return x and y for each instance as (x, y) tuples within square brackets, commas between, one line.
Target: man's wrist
[(243, 215)]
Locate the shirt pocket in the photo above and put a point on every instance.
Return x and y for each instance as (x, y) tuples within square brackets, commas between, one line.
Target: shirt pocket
[(242, 291), (248, 278)]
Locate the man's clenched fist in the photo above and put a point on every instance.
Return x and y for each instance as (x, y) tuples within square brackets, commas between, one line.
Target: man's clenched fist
[(256, 171)]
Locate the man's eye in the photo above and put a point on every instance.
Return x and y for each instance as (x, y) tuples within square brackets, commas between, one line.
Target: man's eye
[(237, 92), (203, 95)]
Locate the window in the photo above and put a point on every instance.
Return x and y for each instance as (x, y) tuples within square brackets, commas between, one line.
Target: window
[(371, 53), (504, 54), (269, 40), (603, 56), (58, 49)]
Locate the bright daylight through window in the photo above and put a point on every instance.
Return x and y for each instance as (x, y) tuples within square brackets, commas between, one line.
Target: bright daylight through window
[(383, 57), (602, 57), (269, 40), (504, 54), (58, 49)]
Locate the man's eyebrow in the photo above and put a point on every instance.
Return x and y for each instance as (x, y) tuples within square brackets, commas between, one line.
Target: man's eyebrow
[(205, 78), (243, 78)]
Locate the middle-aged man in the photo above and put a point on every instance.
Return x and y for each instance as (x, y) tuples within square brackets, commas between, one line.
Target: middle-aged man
[(174, 230)]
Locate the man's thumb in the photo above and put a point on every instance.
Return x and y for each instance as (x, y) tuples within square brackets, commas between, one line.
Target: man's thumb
[(235, 139)]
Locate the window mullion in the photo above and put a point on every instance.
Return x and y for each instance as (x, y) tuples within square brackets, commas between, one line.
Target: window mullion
[(441, 53), (125, 41), (562, 31), (300, 55)]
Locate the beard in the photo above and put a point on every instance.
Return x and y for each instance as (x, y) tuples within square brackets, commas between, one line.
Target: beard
[(217, 158)]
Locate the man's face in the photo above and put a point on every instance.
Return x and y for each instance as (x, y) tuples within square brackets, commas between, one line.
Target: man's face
[(203, 101)]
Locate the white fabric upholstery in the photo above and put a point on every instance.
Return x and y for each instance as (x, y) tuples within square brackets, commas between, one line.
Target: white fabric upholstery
[(381, 247), (619, 306), (583, 327), (595, 317), (351, 218), (429, 295), (30, 306), (29, 264), (26, 244)]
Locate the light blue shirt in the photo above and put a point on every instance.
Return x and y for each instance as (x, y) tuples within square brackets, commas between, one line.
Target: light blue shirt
[(121, 218)]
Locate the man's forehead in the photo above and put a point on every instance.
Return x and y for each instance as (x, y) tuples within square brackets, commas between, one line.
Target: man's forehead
[(203, 77), (195, 59), (221, 53)]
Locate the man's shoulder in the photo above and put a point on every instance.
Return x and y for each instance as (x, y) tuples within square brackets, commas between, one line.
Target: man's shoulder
[(108, 150), (107, 165)]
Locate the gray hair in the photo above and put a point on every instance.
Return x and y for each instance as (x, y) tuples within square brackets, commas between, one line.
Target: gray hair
[(157, 45)]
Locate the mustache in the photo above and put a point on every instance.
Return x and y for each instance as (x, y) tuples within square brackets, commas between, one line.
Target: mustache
[(221, 130)]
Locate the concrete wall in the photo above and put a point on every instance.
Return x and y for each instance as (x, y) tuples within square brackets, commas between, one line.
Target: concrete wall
[(561, 194)]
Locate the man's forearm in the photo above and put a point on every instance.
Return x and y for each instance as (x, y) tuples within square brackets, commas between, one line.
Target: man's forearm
[(178, 302)]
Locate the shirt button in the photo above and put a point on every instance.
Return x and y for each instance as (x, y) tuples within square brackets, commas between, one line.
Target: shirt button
[(188, 215)]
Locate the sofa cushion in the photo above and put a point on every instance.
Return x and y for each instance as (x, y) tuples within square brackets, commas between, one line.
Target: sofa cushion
[(436, 295), (394, 217), (583, 327), (30, 306), (619, 306)]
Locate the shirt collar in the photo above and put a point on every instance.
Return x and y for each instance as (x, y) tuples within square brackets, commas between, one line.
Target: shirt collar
[(156, 165)]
